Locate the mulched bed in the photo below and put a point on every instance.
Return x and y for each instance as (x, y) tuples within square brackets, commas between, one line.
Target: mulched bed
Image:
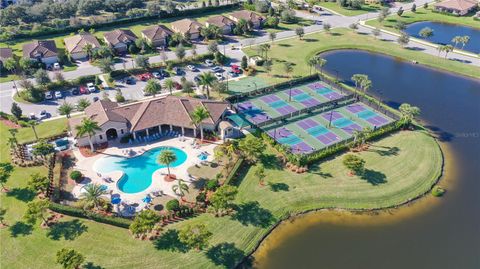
[(86, 152), (10, 124), (170, 178)]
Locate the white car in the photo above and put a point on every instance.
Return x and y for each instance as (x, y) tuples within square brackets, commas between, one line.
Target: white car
[(157, 75), (191, 67), (209, 62), (91, 87), (58, 94), (48, 96), (56, 66), (216, 69), (219, 76), (43, 114)]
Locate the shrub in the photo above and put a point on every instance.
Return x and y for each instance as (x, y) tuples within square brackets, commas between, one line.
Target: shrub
[(201, 197), (211, 185), (77, 212), (438, 191), (76, 175), (173, 205)]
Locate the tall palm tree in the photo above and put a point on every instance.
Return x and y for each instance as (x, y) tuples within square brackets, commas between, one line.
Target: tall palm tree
[(409, 113), (312, 62), (447, 49), (153, 87), (321, 63), (32, 124), (65, 109), (457, 39), (88, 127), (93, 195), (88, 49), (265, 48), (167, 157), (198, 116), (464, 40), (180, 188), (169, 84), (207, 79)]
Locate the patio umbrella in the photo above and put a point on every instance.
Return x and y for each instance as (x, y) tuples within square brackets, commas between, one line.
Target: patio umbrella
[(147, 199), (116, 200)]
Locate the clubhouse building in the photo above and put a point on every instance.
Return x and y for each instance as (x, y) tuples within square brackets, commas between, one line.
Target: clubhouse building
[(153, 117)]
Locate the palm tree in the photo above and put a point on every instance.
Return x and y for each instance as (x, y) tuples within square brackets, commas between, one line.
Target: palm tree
[(265, 48), (207, 79), (358, 79), (169, 84), (88, 127), (447, 49), (153, 87), (167, 157), (457, 39), (409, 113), (65, 109), (312, 62), (198, 116), (93, 195), (88, 48), (464, 40), (365, 84), (180, 188), (32, 124), (272, 36)]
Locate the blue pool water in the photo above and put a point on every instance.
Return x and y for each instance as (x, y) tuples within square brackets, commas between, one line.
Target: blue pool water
[(137, 170)]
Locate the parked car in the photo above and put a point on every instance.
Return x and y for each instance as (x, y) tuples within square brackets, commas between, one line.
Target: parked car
[(219, 76), (145, 93), (145, 76), (58, 94), (56, 66), (236, 69), (196, 79), (95, 98), (164, 73), (130, 81), (232, 74), (75, 91), (209, 62), (178, 86), (191, 67), (43, 114), (91, 87), (84, 90), (156, 75), (178, 71), (48, 95), (217, 69), (32, 116)]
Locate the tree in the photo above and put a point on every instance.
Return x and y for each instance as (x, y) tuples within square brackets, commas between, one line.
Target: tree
[(106, 65), (244, 63), (88, 49), (212, 46), (16, 111), (400, 11), (93, 195), (3, 211), (409, 113), (195, 236), (142, 61), (251, 148), (144, 222), (264, 48), (414, 8), (206, 80), (65, 109), (400, 25), (260, 173), (353, 26), (32, 124), (82, 104), (300, 32), (327, 27), (198, 116), (36, 210), (426, 32), (447, 49), (312, 62), (43, 149), (268, 66), (153, 87), (11, 65), (169, 84), (457, 39), (403, 39), (222, 198), (354, 163), (272, 36), (384, 12), (180, 188), (6, 170), (38, 183), (167, 157), (287, 68), (41, 77), (180, 52), (163, 57), (70, 258), (464, 40), (88, 127)]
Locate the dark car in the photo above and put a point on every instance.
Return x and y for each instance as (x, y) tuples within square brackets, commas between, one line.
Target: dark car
[(196, 79), (163, 73), (130, 81), (178, 71), (95, 98), (75, 91)]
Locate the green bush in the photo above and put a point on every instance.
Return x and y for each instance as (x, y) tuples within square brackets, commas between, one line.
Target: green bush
[(438, 191), (211, 185), (201, 197), (76, 175), (173, 205), (125, 139)]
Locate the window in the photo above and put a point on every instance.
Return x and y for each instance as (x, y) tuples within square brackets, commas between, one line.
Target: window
[(121, 131), (101, 137)]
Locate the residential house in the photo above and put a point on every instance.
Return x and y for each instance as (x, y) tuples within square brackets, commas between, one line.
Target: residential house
[(75, 45), (149, 117), (249, 16), (157, 36), (187, 26), (457, 7), (222, 22), (120, 39), (5, 54), (44, 51)]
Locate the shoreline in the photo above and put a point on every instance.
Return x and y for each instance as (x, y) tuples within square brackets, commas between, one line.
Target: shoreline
[(369, 211)]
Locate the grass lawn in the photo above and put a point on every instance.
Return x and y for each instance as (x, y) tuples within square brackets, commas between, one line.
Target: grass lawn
[(334, 6), (423, 14), (284, 51), (399, 167)]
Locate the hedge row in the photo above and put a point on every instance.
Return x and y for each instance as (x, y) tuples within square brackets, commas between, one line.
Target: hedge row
[(80, 213), (234, 171)]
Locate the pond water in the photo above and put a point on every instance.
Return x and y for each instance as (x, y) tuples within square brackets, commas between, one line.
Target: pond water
[(430, 233), (443, 33)]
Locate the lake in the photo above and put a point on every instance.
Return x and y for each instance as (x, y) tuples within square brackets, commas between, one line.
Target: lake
[(443, 33), (429, 233)]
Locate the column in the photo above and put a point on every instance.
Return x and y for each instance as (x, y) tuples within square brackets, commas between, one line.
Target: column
[(147, 132), (171, 127), (134, 135), (183, 131), (194, 132), (160, 128)]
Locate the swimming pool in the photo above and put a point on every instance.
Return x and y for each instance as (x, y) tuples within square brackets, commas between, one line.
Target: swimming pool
[(137, 171)]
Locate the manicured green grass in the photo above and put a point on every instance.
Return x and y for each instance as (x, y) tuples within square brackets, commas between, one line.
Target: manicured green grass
[(334, 6), (45, 129), (423, 14), (286, 51), (400, 167)]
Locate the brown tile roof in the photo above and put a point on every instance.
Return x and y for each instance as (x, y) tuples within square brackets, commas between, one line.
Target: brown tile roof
[(220, 21), (76, 43), (247, 15), (157, 32), (5, 53), (457, 4), (120, 36), (187, 25), (102, 111), (45, 48)]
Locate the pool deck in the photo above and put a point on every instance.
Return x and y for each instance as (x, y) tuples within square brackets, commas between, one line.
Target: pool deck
[(85, 165)]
